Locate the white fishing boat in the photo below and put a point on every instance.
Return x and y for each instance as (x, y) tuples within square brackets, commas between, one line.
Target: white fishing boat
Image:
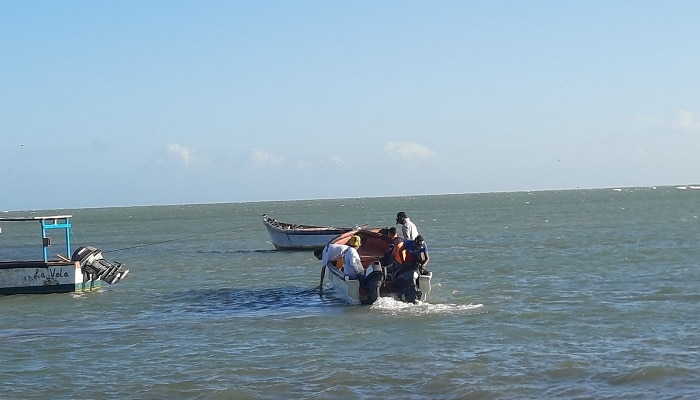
[(84, 271), (289, 236), (379, 280)]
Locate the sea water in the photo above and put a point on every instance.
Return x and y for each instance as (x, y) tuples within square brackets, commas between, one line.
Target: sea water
[(559, 294)]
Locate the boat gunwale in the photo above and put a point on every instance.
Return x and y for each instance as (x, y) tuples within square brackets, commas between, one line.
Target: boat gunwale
[(37, 264), (287, 227)]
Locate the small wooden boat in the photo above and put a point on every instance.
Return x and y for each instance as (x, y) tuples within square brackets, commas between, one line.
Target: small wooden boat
[(287, 236), (380, 280), (84, 271)]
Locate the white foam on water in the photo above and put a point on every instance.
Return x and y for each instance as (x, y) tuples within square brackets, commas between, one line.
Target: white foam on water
[(388, 304)]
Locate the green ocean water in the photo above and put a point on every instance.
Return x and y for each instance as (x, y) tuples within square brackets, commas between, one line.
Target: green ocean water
[(558, 294)]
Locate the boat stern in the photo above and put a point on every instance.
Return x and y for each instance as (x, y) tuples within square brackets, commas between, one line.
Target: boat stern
[(345, 288)]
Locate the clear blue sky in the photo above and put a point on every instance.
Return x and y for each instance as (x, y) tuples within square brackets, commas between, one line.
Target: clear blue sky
[(119, 103)]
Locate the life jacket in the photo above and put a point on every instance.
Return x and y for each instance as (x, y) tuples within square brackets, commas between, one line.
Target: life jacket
[(400, 252), (340, 260)]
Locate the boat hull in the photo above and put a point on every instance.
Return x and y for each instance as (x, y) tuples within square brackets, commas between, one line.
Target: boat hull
[(349, 289), (344, 287), (300, 240), (25, 277)]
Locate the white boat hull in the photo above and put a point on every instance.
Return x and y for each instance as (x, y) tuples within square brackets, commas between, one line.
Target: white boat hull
[(349, 289), (36, 277), (344, 287), (291, 240)]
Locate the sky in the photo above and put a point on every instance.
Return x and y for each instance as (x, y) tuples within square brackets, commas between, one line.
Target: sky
[(130, 102)]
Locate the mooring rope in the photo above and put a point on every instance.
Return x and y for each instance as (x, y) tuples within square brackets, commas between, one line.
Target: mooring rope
[(167, 241)]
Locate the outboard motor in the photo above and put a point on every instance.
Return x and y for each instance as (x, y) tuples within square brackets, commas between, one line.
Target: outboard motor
[(374, 278), (96, 267)]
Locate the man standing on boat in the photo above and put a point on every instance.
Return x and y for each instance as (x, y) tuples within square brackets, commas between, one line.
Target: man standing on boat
[(408, 228)]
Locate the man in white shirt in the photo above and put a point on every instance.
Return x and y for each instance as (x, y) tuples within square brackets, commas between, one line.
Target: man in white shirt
[(352, 264), (408, 228)]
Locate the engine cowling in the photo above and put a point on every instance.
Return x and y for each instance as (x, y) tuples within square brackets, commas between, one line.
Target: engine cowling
[(96, 267)]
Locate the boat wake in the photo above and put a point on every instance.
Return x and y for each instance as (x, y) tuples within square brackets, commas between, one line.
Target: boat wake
[(272, 251), (387, 304)]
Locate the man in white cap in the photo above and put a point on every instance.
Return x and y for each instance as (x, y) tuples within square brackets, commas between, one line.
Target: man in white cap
[(408, 228)]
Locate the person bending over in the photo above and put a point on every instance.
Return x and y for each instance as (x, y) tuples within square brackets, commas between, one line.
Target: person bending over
[(331, 252)]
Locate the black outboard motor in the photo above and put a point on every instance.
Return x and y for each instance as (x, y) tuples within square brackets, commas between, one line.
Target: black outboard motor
[(96, 267), (374, 278)]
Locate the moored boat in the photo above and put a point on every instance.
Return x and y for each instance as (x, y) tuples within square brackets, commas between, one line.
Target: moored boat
[(84, 271), (289, 236), (379, 280)]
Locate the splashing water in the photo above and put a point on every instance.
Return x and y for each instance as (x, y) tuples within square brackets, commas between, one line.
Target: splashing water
[(387, 304)]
